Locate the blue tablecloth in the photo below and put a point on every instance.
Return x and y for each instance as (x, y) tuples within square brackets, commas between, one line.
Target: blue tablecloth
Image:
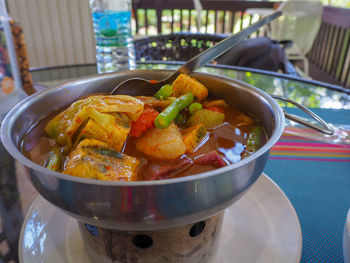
[(317, 183)]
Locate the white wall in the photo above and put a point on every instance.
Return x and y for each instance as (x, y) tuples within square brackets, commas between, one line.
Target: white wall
[(57, 32)]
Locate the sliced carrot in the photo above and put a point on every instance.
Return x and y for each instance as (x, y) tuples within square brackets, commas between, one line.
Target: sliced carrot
[(143, 123)]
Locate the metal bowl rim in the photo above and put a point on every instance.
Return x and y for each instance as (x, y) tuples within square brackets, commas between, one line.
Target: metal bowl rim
[(10, 147)]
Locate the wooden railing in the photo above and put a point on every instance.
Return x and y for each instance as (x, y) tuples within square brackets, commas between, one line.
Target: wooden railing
[(169, 16), (66, 36), (329, 56)]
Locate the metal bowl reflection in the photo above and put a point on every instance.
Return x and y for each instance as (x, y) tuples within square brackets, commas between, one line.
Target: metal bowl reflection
[(143, 205)]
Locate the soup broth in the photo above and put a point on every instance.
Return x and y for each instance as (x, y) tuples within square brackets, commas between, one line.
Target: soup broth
[(217, 143)]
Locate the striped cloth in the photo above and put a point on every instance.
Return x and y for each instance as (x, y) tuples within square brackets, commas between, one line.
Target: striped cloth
[(292, 147), (314, 173)]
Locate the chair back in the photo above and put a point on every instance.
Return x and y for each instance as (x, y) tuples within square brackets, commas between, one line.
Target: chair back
[(330, 53), (300, 23)]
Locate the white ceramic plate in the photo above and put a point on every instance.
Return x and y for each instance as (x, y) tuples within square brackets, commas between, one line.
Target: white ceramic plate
[(261, 227)]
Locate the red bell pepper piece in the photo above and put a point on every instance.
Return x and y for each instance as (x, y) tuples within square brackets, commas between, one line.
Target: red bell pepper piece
[(143, 123)]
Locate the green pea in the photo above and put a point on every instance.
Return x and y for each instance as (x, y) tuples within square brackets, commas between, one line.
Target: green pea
[(195, 107)]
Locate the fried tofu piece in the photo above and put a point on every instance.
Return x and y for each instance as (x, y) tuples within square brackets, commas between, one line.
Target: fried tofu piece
[(193, 136), (100, 108), (93, 159), (112, 129), (184, 84)]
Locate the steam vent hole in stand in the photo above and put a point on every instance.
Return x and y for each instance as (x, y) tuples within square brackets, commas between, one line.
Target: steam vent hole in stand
[(197, 229), (142, 241)]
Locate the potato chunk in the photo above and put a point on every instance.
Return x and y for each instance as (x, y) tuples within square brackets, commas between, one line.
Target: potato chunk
[(93, 159), (184, 84), (193, 136), (164, 143), (210, 119)]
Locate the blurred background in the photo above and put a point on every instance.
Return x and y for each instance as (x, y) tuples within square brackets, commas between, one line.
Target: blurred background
[(60, 33)]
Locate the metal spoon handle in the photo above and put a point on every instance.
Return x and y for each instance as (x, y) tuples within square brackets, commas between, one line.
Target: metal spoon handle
[(223, 46)]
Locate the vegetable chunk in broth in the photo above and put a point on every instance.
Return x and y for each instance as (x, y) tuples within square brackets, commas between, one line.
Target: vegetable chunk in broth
[(177, 132)]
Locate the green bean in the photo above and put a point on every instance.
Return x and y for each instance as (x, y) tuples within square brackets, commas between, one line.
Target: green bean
[(253, 140), (53, 162), (164, 92), (169, 113), (195, 107)]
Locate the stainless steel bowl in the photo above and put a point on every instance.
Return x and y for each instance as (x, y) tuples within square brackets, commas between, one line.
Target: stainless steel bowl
[(144, 205)]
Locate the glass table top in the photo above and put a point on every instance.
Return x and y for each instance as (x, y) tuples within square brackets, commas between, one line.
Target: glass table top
[(306, 92)]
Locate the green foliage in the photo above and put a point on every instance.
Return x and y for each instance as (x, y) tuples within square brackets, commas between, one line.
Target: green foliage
[(338, 3)]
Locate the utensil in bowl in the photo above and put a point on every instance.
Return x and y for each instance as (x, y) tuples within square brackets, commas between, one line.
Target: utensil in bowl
[(141, 86), (143, 205)]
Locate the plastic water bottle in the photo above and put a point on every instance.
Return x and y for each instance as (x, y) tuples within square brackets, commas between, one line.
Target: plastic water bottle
[(112, 26)]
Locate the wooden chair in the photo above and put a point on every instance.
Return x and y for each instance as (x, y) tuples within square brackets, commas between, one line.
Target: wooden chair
[(329, 57), (300, 23)]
